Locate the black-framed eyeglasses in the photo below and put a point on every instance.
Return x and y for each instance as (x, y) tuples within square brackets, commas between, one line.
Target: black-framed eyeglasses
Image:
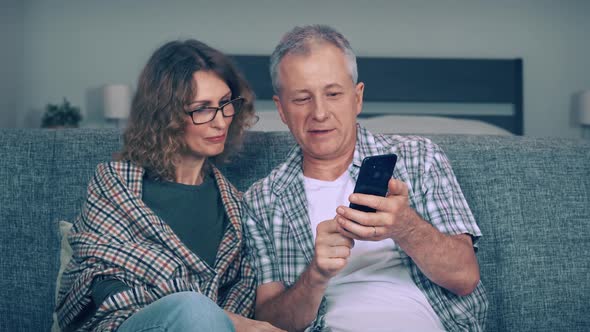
[(207, 113)]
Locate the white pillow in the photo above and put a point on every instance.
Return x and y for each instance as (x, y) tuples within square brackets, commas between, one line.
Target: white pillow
[(270, 120), (65, 255), (407, 124)]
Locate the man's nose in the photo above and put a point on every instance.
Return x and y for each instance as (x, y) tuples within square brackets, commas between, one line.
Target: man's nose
[(320, 110)]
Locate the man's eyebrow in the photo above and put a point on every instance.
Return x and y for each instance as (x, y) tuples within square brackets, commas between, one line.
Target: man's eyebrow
[(329, 86), (333, 85), (301, 91)]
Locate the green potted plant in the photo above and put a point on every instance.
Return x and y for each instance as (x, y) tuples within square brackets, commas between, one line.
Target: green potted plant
[(61, 116)]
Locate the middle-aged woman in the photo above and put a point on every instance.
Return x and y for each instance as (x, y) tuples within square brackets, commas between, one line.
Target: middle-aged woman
[(158, 245)]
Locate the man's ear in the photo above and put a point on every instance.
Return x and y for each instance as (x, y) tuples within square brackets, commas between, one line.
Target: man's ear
[(359, 90), (277, 102)]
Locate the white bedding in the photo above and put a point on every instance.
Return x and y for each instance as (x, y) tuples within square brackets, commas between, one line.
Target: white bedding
[(399, 124)]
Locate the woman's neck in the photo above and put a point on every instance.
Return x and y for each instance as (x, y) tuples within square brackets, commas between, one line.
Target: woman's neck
[(189, 171)]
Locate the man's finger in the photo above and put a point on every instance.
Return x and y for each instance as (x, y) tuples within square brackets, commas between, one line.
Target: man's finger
[(397, 187), (360, 217), (355, 230), (337, 239), (327, 226)]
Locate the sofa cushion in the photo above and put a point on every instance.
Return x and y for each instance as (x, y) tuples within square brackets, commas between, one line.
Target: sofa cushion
[(530, 196), (77, 153), (28, 240), (531, 199), (260, 153)]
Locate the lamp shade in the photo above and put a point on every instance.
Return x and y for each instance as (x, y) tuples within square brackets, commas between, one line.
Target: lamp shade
[(584, 107), (117, 101)]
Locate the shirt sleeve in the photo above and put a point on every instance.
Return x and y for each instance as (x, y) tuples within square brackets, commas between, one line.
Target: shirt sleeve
[(260, 245), (442, 199), (241, 295), (104, 245), (103, 288)]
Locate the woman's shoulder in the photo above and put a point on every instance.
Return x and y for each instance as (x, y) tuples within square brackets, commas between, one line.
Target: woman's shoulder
[(118, 166), (223, 183), (119, 169)]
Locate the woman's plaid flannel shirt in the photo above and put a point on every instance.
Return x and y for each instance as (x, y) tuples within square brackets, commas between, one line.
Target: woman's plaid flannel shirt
[(118, 236)]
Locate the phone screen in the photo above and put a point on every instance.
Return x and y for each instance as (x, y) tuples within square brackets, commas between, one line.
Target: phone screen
[(373, 177)]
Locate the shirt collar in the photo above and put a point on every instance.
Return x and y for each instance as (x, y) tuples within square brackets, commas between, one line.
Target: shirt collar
[(366, 145)]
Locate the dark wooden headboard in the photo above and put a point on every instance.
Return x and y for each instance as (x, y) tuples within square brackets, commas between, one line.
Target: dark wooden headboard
[(425, 80)]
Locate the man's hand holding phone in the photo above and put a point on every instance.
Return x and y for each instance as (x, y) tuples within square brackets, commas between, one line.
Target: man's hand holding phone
[(392, 219)]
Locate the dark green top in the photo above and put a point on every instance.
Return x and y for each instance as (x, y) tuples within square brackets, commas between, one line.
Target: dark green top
[(195, 214)]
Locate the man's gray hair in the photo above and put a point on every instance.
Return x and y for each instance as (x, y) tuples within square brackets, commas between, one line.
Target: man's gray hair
[(299, 41)]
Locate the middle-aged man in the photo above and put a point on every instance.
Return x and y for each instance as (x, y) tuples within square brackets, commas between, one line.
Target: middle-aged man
[(410, 266)]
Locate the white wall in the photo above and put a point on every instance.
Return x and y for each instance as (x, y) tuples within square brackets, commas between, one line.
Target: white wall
[(73, 47), (11, 50)]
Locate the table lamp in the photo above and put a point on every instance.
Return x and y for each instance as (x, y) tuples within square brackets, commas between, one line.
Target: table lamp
[(117, 103), (584, 112)]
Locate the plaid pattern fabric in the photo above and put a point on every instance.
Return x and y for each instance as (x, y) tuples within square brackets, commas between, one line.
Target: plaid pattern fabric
[(118, 236), (278, 229)]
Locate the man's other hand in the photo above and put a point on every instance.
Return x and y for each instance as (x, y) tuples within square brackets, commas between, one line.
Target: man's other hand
[(332, 249), (243, 324)]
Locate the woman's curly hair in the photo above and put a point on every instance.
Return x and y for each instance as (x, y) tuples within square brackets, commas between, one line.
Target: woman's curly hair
[(154, 137)]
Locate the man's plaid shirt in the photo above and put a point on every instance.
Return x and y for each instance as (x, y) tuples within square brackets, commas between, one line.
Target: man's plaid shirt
[(280, 238), (118, 236)]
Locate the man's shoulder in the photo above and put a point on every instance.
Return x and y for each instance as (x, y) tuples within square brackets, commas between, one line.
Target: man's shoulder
[(414, 152), (406, 143), (269, 185)]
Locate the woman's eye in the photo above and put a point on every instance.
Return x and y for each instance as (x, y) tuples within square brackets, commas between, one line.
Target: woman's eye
[(223, 102), (201, 109)]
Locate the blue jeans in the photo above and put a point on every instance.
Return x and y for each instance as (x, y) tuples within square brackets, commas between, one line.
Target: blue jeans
[(185, 311)]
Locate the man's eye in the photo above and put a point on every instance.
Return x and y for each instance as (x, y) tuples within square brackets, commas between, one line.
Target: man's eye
[(334, 94), (301, 100)]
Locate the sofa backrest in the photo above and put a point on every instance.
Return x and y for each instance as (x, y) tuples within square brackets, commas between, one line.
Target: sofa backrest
[(531, 198)]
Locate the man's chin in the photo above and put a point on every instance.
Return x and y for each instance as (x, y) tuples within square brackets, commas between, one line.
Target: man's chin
[(319, 153)]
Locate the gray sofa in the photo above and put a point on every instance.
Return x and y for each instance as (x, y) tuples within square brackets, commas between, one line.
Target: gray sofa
[(531, 198)]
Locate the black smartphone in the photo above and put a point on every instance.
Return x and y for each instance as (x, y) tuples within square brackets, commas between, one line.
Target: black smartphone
[(373, 177)]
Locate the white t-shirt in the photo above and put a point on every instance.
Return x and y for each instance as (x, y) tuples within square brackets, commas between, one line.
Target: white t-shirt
[(375, 291)]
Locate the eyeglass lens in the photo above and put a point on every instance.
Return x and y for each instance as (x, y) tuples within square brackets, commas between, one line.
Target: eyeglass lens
[(207, 114)]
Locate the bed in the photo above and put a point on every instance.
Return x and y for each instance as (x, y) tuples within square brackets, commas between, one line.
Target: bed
[(419, 95)]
